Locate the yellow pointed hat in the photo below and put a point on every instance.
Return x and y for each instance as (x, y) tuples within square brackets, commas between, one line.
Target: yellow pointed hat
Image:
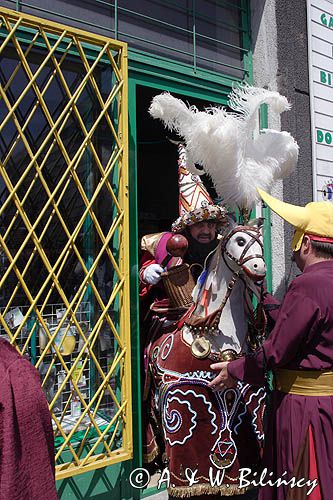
[(315, 219)]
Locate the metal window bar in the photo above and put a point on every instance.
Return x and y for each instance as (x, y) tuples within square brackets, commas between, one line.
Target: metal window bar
[(179, 28), (91, 415), (196, 57), (176, 5), (241, 28)]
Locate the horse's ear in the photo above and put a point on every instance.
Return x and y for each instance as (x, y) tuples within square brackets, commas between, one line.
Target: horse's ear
[(260, 224), (227, 225)]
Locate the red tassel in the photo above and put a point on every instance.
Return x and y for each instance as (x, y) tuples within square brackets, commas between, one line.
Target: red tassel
[(313, 469), (204, 301)]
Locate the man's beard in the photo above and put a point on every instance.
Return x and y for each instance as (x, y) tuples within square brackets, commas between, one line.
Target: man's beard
[(197, 252)]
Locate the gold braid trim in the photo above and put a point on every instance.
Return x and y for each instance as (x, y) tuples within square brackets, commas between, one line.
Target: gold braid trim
[(206, 489), (149, 457)]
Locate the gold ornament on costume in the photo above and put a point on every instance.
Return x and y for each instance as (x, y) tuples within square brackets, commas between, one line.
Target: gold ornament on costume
[(228, 355), (201, 348)]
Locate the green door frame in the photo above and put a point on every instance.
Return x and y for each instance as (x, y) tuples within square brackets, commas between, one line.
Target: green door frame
[(263, 123), (212, 92), (184, 88)]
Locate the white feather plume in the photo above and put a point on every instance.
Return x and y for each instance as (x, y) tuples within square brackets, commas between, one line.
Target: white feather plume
[(223, 143), (173, 112), (246, 100)]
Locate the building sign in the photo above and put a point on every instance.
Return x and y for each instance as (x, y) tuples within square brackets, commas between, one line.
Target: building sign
[(320, 39)]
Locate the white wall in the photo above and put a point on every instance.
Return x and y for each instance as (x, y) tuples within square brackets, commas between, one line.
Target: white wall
[(265, 72), (279, 42)]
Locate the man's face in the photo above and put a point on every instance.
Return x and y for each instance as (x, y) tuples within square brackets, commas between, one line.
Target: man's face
[(203, 232), (298, 259)]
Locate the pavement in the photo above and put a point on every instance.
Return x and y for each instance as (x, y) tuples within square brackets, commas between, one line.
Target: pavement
[(162, 495)]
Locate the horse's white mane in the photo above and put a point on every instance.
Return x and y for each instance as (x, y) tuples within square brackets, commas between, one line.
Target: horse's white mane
[(223, 143)]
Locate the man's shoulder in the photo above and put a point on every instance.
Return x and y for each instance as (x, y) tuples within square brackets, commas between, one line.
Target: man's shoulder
[(302, 281), (8, 353), (149, 242), (10, 357), (318, 276)]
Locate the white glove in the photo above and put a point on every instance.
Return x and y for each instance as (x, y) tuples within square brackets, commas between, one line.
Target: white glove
[(152, 274)]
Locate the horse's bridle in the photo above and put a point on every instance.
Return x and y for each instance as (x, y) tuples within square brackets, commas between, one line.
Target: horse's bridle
[(209, 324), (249, 230)]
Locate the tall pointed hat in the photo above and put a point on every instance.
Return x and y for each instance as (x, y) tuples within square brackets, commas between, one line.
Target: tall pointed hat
[(195, 203)]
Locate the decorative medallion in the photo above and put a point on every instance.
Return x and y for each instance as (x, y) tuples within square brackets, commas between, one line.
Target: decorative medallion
[(201, 347)]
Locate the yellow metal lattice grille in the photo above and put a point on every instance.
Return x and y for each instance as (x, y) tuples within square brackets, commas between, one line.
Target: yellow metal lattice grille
[(64, 282)]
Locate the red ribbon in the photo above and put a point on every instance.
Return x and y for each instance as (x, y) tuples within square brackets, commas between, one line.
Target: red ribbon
[(324, 239)]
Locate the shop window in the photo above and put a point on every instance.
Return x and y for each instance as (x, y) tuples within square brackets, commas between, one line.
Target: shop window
[(64, 231)]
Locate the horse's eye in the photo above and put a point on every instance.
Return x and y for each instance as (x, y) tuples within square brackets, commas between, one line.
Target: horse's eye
[(240, 241)]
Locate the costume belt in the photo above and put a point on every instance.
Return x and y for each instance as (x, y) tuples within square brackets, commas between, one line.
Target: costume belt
[(304, 382)]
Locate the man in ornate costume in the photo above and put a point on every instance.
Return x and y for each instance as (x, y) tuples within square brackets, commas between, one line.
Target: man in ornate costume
[(198, 221), (219, 434), (299, 351)]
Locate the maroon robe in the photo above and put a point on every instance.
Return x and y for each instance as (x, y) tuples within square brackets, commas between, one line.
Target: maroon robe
[(26, 437), (302, 339)]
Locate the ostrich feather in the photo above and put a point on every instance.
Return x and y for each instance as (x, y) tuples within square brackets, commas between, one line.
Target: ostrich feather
[(225, 146), (246, 100), (173, 112)]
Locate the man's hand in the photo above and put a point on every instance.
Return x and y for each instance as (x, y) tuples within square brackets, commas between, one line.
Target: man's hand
[(223, 379), (152, 274)]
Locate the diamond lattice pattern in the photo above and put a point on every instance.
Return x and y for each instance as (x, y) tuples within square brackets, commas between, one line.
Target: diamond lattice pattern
[(63, 221)]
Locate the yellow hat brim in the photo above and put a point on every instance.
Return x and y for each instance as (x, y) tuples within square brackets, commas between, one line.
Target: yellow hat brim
[(297, 240), (315, 218), (295, 215)]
